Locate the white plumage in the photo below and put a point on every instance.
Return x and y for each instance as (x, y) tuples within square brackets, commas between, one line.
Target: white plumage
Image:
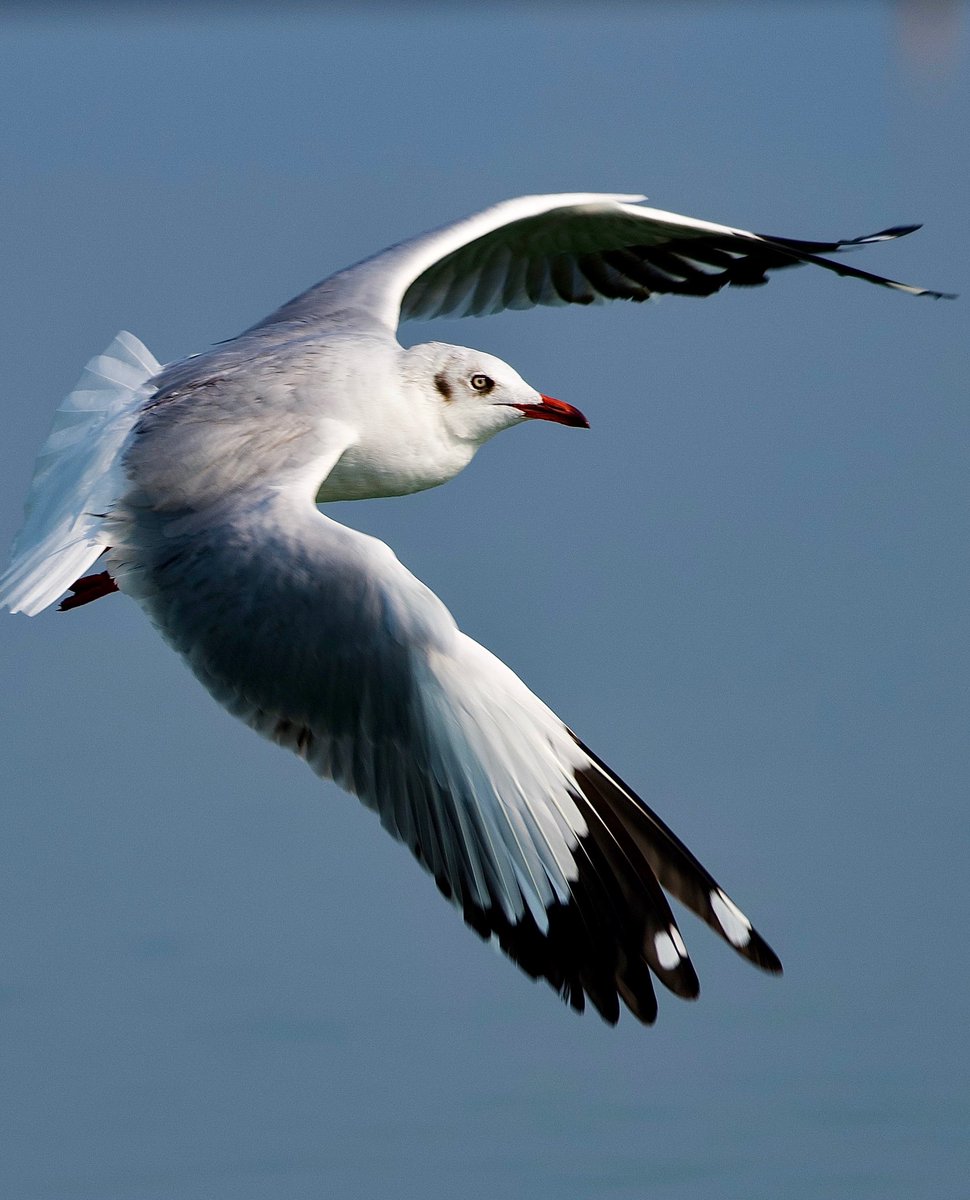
[(77, 478), (200, 480)]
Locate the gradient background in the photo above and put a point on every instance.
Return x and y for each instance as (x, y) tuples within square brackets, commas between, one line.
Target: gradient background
[(746, 587)]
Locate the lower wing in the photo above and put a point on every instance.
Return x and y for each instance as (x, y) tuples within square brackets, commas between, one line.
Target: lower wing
[(318, 638)]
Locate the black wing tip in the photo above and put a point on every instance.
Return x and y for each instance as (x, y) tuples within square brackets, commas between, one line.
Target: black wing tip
[(761, 955), (690, 985), (605, 945), (889, 235), (646, 1016), (884, 235), (918, 291), (798, 251)]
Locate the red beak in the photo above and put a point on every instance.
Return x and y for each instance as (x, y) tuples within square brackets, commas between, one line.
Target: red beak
[(553, 410)]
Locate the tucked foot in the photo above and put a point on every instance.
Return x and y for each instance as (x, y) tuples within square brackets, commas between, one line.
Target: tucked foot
[(90, 587)]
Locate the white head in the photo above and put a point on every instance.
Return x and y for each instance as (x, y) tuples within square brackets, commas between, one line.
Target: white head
[(447, 403), (477, 394)]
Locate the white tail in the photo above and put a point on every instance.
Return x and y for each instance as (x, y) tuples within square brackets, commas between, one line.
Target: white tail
[(77, 477)]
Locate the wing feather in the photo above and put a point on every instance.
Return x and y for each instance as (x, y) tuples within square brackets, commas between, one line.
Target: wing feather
[(572, 248), (337, 652)]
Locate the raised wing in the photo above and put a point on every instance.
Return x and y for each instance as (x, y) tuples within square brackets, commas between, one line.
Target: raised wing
[(561, 249), (318, 638)]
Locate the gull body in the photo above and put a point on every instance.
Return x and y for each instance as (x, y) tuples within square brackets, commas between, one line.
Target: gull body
[(199, 482)]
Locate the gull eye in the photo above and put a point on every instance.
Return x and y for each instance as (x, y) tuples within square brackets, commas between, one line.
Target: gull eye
[(482, 383)]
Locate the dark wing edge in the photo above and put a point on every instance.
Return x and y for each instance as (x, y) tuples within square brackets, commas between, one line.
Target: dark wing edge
[(810, 252), (677, 869), (485, 277), (618, 931), (615, 933)]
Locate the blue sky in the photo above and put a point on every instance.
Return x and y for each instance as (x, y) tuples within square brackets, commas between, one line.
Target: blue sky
[(745, 587)]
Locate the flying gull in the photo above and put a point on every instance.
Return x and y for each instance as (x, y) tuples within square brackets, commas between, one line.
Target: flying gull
[(199, 481)]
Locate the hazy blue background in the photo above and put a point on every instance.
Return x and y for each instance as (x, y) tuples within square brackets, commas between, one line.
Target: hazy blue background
[(746, 587)]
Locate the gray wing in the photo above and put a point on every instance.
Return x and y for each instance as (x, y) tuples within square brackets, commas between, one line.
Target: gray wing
[(560, 249), (319, 639)]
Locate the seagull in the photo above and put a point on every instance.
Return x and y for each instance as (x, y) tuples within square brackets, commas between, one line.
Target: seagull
[(199, 481)]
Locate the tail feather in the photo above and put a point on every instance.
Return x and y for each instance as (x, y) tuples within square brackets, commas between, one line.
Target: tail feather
[(77, 478)]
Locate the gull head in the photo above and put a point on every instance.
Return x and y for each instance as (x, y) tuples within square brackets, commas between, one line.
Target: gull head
[(477, 395)]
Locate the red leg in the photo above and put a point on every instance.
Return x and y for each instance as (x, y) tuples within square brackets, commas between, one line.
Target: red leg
[(91, 587)]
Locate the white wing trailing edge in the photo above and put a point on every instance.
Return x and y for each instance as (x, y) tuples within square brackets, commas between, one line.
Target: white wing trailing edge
[(77, 478)]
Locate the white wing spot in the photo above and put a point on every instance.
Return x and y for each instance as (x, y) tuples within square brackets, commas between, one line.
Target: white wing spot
[(668, 955), (678, 941), (736, 926)]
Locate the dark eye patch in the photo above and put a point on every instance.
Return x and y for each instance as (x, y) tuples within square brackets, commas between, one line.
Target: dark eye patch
[(442, 384)]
